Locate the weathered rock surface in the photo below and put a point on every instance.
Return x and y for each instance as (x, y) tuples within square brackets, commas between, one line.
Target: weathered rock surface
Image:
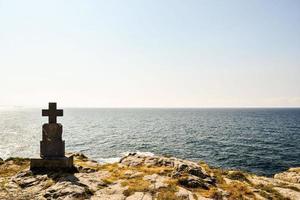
[(292, 175), (140, 177)]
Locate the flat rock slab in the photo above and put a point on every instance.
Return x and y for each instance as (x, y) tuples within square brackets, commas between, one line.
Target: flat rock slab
[(52, 163)]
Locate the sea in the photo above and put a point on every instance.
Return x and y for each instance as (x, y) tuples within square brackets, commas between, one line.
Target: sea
[(264, 141)]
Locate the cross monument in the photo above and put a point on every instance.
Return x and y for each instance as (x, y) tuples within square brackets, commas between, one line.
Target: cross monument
[(52, 147)]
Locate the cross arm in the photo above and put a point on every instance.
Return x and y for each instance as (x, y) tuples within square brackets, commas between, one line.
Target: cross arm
[(45, 113), (60, 112)]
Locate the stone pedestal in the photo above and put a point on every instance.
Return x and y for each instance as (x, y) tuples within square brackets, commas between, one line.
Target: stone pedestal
[(52, 144), (59, 163), (52, 150)]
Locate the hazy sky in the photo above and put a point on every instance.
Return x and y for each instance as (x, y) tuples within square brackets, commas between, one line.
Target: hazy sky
[(150, 53)]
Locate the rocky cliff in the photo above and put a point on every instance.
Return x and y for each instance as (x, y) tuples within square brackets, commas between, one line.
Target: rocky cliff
[(140, 177)]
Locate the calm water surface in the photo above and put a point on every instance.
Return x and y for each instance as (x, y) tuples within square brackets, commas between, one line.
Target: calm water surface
[(263, 141)]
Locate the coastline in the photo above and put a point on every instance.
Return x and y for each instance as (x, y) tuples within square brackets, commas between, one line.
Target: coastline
[(143, 176)]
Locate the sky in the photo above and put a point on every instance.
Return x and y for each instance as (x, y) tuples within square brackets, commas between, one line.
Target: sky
[(150, 53)]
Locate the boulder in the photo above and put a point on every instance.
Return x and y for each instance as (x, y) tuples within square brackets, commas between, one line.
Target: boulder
[(67, 190), (156, 181), (193, 182)]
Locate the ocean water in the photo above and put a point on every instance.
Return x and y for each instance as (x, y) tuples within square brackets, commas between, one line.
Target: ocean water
[(263, 141)]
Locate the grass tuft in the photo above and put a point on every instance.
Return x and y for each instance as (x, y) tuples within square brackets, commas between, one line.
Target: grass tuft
[(238, 175), (135, 185), (168, 193)]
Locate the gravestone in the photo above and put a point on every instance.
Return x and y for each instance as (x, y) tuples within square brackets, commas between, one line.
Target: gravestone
[(52, 147)]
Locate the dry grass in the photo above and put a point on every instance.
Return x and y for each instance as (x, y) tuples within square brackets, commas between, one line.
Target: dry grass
[(9, 168), (239, 176), (205, 166), (3, 182), (12, 166), (108, 181), (237, 190), (206, 193), (269, 192), (118, 172), (109, 167), (168, 193), (48, 184), (154, 170), (219, 174), (234, 190), (135, 185)]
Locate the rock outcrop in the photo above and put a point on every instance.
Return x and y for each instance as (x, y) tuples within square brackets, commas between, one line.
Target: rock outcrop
[(141, 177), (292, 175)]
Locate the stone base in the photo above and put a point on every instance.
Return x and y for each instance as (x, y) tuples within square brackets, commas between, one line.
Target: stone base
[(52, 148), (55, 164)]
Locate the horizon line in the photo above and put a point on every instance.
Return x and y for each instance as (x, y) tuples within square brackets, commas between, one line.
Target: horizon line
[(158, 107)]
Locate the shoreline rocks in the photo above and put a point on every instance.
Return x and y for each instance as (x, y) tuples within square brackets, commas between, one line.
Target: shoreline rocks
[(143, 177), (292, 175)]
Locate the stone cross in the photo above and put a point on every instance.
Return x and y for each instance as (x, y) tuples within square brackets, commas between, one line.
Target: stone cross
[(52, 113), (52, 147)]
